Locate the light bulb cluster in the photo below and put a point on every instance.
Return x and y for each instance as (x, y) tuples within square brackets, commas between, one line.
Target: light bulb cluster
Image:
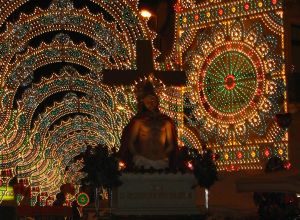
[(192, 17), (236, 79), (114, 48)]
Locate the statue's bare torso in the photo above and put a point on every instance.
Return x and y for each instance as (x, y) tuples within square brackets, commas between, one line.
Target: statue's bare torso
[(153, 137)]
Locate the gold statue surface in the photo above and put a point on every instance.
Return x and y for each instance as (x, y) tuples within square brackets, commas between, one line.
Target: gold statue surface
[(150, 138)]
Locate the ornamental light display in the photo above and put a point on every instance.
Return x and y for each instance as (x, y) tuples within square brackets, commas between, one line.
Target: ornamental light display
[(45, 123), (232, 52)]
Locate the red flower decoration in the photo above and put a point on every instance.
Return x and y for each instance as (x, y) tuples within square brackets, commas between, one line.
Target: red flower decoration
[(247, 6), (220, 11), (287, 165), (230, 82), (177, 8), (267, 152), (239, 155)]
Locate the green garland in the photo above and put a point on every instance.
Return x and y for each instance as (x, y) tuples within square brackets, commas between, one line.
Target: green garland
[(204, 168), (101, 167)]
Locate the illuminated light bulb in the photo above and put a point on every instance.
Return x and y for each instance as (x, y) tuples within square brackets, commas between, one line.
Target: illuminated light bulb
[(122, 165), (267, 153), (226, 156), (190, 165), (288, 165), (145, 13), (239, 155), (247, 6), (220, 11)]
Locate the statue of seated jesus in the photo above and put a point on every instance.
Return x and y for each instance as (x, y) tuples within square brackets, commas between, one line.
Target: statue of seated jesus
[(150, 138)]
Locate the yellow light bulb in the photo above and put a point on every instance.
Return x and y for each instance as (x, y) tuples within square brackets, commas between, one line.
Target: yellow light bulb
[(145, 13)]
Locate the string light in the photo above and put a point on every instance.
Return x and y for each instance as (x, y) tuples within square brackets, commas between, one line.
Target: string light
[(235, 74), (231, 51)]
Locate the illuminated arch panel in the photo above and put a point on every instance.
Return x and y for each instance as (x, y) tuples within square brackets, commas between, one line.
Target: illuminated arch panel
[(233, 54)]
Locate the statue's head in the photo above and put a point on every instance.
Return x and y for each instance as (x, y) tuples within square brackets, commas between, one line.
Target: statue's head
[(146, 97), (151, 102)]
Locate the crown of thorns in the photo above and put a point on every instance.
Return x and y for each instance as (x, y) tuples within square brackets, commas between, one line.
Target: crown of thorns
[(143, 89)]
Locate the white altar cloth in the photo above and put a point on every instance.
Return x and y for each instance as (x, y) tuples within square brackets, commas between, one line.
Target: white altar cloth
[(155, 194)]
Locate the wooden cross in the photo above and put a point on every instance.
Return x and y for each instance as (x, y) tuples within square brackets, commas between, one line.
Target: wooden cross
[(145, 67)]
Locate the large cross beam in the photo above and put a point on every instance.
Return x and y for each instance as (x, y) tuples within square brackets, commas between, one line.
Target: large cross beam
[(145, 67)]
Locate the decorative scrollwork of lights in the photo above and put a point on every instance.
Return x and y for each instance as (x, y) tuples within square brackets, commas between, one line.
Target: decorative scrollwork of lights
[(103, 111), (55, 84), (61, 131), (109, 51), (57, 111), (235, 83), (114, 47), (94, 26), (73, 174), (236, 80), (30, 152)]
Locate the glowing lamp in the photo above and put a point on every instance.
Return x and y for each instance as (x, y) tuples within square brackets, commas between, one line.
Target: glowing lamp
[(267, 152), (230, 168), (226, 156), (287, 165), (247, 6), (190, 165), (122, 165), (239, 155), (145, 13), (177, 7), (220, 11)]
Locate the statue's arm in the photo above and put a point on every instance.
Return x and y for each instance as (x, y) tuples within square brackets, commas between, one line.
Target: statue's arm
[(133, 135), (170, 139)]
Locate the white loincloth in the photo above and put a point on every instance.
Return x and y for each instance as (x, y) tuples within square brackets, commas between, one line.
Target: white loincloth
[(140, 161)]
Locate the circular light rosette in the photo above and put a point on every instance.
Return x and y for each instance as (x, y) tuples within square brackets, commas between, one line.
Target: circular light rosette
[(235, 80), (230, 83), (83, 199)]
